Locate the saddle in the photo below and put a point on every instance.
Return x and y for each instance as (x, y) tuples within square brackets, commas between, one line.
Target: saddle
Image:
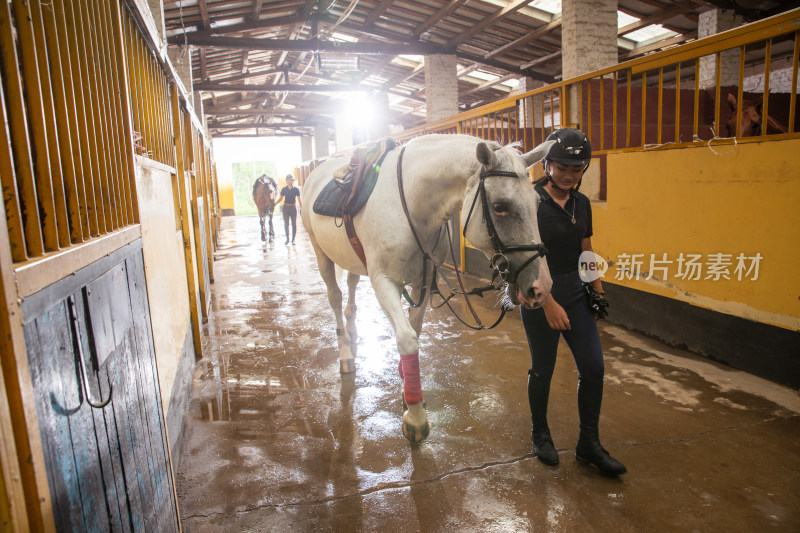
[(345, 195), (352, 185)]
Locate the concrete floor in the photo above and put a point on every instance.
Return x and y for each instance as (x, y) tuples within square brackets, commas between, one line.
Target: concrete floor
[(277, 440)]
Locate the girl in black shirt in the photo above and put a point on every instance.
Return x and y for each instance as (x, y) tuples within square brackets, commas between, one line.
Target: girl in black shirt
[(565, 223), (291, 196)]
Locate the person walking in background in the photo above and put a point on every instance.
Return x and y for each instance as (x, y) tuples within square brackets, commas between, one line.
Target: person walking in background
[(565, 222), (291, 199)]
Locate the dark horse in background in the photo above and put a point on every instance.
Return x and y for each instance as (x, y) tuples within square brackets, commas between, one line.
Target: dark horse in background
[(265, 192), (751, 124)]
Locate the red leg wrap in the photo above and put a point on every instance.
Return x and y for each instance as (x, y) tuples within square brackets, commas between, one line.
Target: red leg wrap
[(400, 368), (412, 387)]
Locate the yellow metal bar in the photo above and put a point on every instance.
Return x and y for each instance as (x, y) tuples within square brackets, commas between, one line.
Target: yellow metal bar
[(64, 183), (644, 107), (552, 114), (602, 111), (718, 89), (614, 111), (678, 103), (129, 181), (764, 29), (695, 130), (36, 105), (628, 119), (580, 105), (92, 110), (130, 59), (17, 200), (72, 84), (185, 220), (765, 100), (739, 93), (16, 237), (524, 104), (83, 115), (793, 87), (109, 115), (117, 87), (660, 104), (588, 129), (46, 81)]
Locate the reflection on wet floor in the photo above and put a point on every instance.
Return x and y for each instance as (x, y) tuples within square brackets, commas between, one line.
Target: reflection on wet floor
[(277, 440)]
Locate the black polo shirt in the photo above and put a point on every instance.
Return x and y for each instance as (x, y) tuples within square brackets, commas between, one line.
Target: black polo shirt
[(290, 195), (561, 237)]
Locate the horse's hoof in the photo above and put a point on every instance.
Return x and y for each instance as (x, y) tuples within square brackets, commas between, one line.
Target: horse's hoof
[(415, 434), (405, 405), (347, 366)]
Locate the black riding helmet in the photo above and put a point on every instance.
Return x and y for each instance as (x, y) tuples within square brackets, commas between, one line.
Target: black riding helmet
[(572, 148)]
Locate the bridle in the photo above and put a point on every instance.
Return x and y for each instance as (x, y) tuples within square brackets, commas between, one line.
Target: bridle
[(500, 264)]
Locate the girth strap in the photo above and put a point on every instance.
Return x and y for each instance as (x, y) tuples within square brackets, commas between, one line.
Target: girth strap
[(355, 242)]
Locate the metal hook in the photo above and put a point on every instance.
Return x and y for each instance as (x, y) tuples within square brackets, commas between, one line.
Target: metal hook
[(96, 405)]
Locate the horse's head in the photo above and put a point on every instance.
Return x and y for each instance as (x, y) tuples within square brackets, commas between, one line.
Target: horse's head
[(751, 117), (501, 195)]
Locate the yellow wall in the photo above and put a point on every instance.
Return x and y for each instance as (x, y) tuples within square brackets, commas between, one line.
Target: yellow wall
[(691, 201), (225, 194), (165, 270)]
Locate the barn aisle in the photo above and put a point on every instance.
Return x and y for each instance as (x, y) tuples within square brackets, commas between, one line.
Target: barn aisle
[(277, 440)]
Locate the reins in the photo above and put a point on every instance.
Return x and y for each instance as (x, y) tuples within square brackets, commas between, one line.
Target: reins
[(507, 274)]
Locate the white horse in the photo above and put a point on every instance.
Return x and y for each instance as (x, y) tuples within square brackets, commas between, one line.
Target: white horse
[(441, 175)]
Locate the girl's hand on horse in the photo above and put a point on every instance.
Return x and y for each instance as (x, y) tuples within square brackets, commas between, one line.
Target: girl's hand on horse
[(556, 316)]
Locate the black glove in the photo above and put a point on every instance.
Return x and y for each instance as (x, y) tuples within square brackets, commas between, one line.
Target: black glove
[(597, 303)]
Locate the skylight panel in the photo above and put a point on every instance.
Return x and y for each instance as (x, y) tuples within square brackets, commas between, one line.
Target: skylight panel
[(551, 6), (653, 32), (481, 75), (343, 37)]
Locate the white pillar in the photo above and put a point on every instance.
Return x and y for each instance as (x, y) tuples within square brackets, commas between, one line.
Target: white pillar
[(321, 141), (380, 124), (531, 113), (343, 131), (181, 59), (588, 41), (306, 148), (157, 10), (710, 23), (441, 86)]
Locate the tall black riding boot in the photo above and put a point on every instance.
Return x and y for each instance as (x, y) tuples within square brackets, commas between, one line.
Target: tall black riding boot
[(589, 450), (538, 393)]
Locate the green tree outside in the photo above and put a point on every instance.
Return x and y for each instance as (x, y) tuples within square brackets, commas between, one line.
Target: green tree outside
[(244, 175)]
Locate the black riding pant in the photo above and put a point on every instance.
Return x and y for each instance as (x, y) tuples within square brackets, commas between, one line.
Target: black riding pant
[(582, 339), (290, 213)]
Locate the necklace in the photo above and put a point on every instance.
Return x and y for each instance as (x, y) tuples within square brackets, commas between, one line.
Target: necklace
[(574, 203), (572, 216)]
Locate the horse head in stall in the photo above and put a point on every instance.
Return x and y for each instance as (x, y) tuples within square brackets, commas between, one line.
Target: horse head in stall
[(265, 192), (399, 238), (751, 119)]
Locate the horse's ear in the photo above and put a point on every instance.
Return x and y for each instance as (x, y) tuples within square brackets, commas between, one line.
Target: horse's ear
[(485, 155), (732, 101), (537, 154)]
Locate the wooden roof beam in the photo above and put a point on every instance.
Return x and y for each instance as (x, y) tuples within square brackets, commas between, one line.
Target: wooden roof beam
[(271, 88), (440, 15), (376, 13), (512, 7), (245, 43), (525, 39)]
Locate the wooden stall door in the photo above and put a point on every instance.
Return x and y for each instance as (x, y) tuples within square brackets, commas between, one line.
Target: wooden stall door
[(108, 466)]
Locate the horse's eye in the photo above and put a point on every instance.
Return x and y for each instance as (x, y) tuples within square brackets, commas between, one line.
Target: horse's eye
[(500, 208)]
